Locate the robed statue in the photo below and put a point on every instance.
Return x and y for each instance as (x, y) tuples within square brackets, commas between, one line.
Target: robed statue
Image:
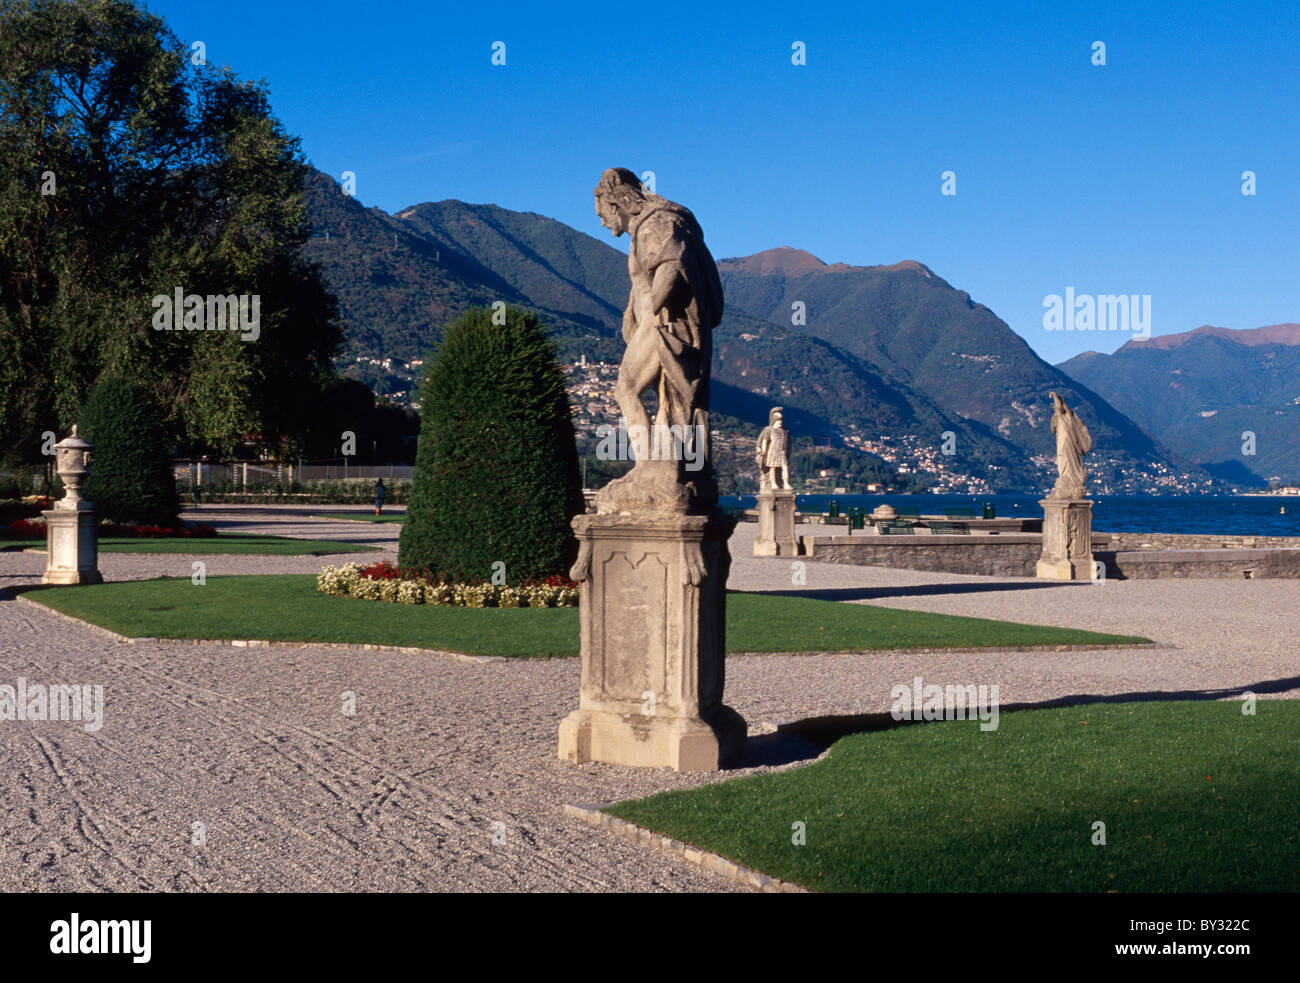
[(674, 304), (1072, 442)]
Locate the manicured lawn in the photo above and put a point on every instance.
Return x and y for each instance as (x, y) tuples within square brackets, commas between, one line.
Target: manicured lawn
[(228, 543), (288, 608), (1195, 796), (362, 516)]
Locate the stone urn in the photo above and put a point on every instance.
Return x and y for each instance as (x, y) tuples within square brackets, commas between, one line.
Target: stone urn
[(72, 457)]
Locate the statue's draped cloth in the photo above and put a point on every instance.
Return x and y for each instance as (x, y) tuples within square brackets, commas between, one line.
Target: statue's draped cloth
[(1072, 442), (665, 232)]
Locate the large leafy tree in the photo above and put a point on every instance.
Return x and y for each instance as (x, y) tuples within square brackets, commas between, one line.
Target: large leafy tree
[(128, 170), (496, 468)]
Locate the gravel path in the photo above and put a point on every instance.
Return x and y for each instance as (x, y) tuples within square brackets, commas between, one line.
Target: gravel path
[(404, 795)]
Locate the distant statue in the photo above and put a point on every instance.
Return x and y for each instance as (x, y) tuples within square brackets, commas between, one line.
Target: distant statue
[(1072, 442), (773, 454), (674, 305)]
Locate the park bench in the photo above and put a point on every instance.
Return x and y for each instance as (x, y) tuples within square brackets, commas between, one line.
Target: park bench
[(892, 527), (960, 513), (940, 528), (907, 511)]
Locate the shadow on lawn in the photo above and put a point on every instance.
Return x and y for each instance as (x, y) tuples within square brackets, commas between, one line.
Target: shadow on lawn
[(803, 740)]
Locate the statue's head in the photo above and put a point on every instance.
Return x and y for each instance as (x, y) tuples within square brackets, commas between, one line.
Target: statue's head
[(619, 196), (774, 416)]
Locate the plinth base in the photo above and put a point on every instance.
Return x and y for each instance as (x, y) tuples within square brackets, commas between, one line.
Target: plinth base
[(776, 524), (642, 741), (71, 547), (1067, 539), (1080, 569), (653, 629)]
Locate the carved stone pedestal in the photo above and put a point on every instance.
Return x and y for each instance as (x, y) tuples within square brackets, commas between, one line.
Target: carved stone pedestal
[(72, 546), (776, 524), (1067, 539), (653, 644)]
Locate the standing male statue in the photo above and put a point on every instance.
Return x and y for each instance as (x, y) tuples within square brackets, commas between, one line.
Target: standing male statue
[(1072, 442), (653, 561), (674, 305), (773, 454)]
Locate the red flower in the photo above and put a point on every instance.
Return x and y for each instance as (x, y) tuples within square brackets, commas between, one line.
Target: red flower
[(27, 529)]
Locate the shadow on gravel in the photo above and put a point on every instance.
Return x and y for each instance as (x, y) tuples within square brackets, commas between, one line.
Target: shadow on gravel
[(804, 740), (916, 590)]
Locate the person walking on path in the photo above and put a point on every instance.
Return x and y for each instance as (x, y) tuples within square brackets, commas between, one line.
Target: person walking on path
[(380, 493)]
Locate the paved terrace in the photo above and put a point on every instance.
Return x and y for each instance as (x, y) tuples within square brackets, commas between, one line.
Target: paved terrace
[(403, 795)]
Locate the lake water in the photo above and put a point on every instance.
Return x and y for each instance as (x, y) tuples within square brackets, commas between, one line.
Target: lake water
[(1222, 515)]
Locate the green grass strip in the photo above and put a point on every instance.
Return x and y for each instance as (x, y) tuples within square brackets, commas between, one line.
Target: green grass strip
[(1195, 797), (361, 516), (235, 544), (287, 607)]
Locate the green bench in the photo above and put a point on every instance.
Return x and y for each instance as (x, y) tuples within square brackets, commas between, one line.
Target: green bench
[(962, 513), (907, 511), (892, 527), (941, 528)]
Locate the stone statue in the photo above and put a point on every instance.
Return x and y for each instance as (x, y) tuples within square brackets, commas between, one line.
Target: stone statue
[(674, 305), (653, 561), (1072, 442), (773, 454)]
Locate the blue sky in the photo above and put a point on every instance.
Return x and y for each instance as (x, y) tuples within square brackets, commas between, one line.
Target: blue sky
[(1122, 178)]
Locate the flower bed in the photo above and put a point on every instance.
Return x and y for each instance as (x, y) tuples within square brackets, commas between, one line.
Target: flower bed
[(385, 582), (35, 529)]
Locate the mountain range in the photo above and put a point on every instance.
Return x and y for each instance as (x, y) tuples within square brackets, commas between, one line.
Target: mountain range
[(877, 353), (1226, 399)]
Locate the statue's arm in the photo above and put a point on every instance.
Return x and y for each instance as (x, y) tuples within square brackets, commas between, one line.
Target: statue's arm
[(663, 283), (660, 249), (629, 317)]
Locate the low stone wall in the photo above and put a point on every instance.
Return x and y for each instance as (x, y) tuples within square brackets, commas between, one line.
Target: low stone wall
[(1131, 541), (1003, 555), (1017, 554), (1232, 564)]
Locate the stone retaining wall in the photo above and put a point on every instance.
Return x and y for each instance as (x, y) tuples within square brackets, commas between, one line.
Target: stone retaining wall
[(1130, 541), (1233, 564), (1017, 554), (1006, 555)]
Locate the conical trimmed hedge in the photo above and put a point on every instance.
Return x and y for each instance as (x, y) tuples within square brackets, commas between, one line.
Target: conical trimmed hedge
[(496, 469), (130, 472)]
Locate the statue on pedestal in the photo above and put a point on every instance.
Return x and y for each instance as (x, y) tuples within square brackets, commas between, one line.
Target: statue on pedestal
[(1067, 512), (773, 454), (653, 560)]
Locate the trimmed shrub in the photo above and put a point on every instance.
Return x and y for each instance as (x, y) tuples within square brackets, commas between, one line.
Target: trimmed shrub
[(496, 468), (130, 472)]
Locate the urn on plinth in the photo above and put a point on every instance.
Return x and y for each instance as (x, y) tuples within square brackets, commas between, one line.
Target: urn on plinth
[(71, 526)]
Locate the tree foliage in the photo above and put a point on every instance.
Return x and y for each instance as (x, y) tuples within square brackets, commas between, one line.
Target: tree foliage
[(126, 171), (130, 473), (496, 469)]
